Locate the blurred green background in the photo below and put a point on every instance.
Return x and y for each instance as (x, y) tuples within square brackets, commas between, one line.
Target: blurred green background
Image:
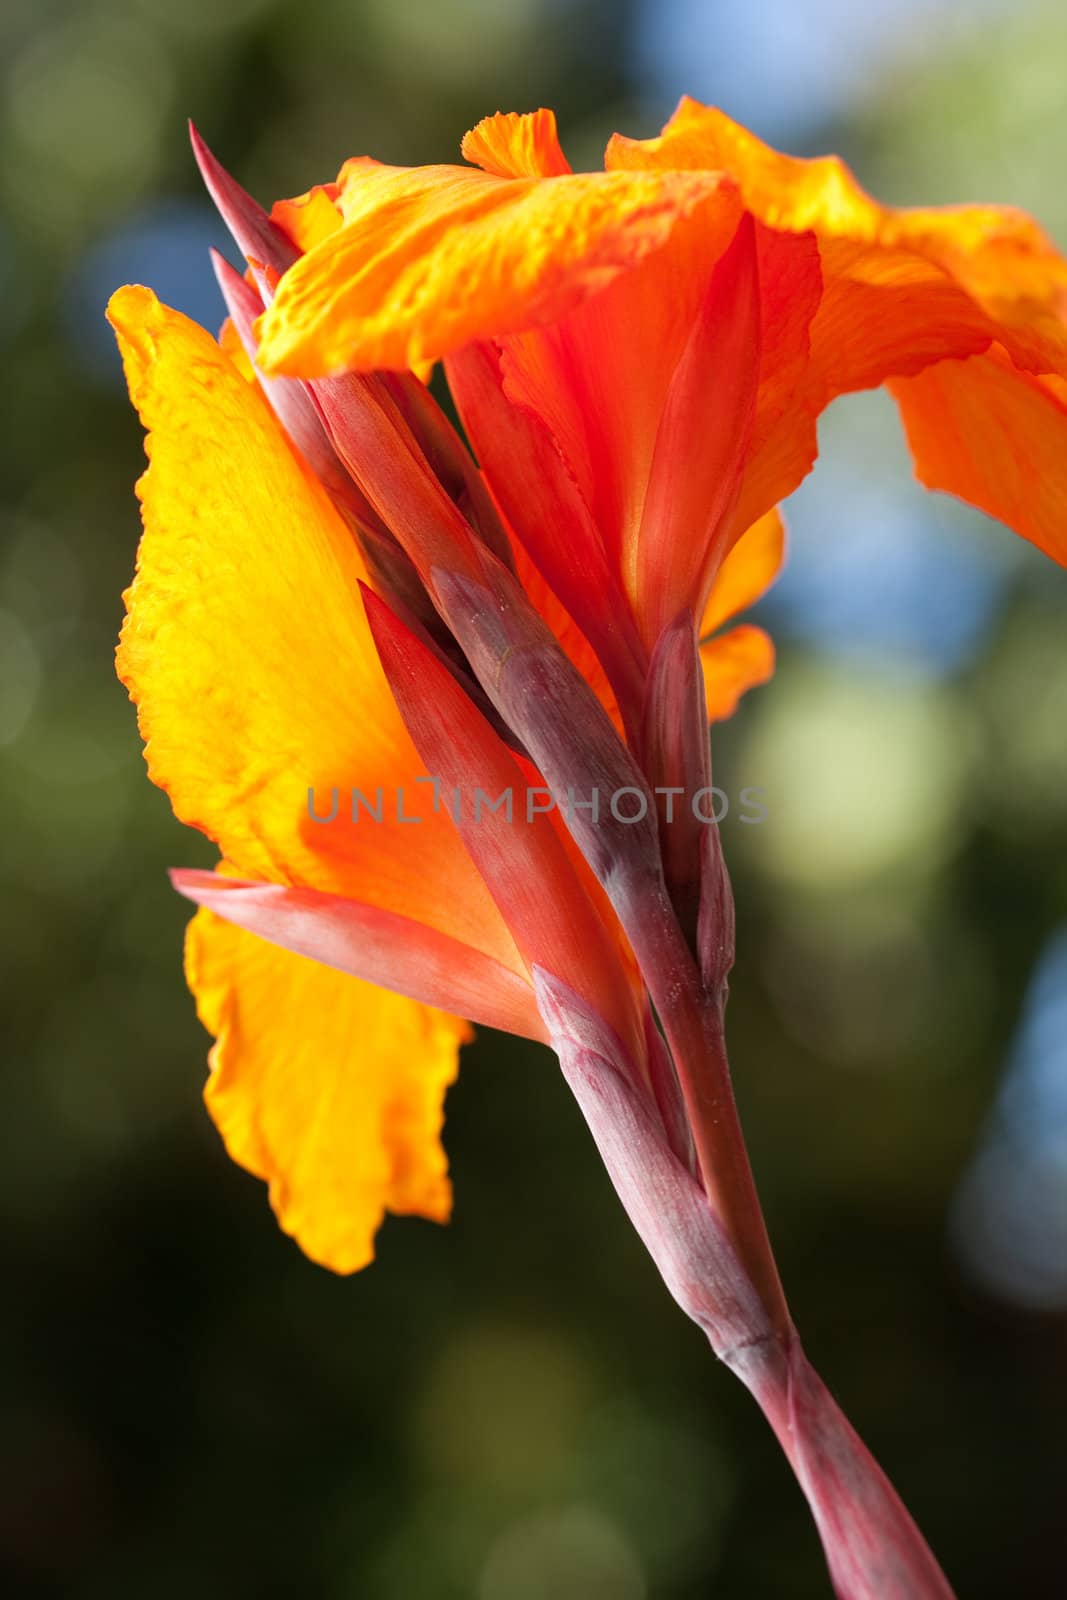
[(511, 1408)]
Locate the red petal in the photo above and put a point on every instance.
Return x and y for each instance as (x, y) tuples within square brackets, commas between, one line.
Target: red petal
[(377, 946), (544, 506), (521, 858), (700, 446)]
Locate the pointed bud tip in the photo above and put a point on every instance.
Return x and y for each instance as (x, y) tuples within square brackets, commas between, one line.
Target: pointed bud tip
[(254, 232), (224, 270), (196, 884), (193, 876), (393, 640), (375, 607), (242, 302), (211, 169)]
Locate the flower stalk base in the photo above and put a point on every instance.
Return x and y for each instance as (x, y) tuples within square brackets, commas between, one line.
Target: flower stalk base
[(874, 1551)]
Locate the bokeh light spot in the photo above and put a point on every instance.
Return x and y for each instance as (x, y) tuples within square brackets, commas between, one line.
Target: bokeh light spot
[(164, 246), (88, 99), (1010, 1215), (566, 1555), (863, 776), (502, 1405), (20, 677)]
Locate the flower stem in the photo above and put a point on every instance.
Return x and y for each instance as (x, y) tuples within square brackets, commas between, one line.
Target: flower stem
[(873, 1548), (692, 1019)]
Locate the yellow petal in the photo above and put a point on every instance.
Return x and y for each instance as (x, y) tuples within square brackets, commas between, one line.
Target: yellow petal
[(328, 1088), (230, 341), (733, 663), (247, 651)]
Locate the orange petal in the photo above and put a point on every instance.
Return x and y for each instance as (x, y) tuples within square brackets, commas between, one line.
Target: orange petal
[(600, 377), (515, 146), (327, 1087), (247, 651), (701, 442), (309, 218), (734, 662), (545, 507), (903, 289), (999, 259), (747, 573), (995, 436), (784, 443), (431, 257)]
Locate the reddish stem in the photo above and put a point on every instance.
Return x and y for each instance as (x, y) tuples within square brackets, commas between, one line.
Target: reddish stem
[(873, 1548), (693, 1024)]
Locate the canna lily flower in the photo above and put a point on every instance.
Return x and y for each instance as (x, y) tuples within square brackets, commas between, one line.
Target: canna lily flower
[(339, 596), (250, 656)]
